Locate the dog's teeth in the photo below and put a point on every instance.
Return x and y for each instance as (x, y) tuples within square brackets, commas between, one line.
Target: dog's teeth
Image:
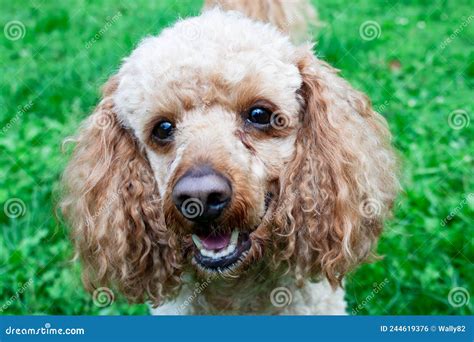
[(234, 237), (197, 241), (216, 255)]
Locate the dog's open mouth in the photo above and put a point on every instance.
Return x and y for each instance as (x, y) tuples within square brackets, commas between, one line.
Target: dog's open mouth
[(221, 250)]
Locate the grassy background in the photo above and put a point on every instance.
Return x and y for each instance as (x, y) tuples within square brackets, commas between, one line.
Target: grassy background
[(414, 77)]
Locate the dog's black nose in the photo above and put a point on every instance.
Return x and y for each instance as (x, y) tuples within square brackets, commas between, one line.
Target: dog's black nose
[(201, 194)]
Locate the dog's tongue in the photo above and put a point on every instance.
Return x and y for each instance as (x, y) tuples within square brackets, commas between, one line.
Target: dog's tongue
[(218, 241)]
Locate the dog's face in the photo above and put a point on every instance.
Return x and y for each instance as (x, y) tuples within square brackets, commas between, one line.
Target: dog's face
[(225, 145), (217, 114)]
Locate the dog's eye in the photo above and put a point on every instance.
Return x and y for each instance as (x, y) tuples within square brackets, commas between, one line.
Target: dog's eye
[(259, 116), (163, 131)]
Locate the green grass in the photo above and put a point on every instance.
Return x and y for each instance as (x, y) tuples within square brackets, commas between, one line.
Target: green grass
[(413, 79)]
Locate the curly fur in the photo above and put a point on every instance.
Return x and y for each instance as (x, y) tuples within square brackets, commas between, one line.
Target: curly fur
[(343, 157), (113, 205), (332, 156), (291, 17)]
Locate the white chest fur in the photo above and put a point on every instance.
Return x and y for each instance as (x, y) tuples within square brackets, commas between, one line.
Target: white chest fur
[(311, 299)]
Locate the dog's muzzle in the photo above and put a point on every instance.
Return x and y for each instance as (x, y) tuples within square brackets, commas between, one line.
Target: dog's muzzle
[(201, 195)]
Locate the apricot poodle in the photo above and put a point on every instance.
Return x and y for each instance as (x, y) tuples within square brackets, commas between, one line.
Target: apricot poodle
[(227, 170)]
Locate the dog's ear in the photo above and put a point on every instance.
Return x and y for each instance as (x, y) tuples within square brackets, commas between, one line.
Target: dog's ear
[(342, 181), (112, 202)]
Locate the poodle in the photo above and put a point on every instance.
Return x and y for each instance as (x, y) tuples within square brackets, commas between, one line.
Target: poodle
[(227, 170)]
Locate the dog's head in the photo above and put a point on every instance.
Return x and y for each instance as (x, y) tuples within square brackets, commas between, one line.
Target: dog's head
[(218, 145)]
